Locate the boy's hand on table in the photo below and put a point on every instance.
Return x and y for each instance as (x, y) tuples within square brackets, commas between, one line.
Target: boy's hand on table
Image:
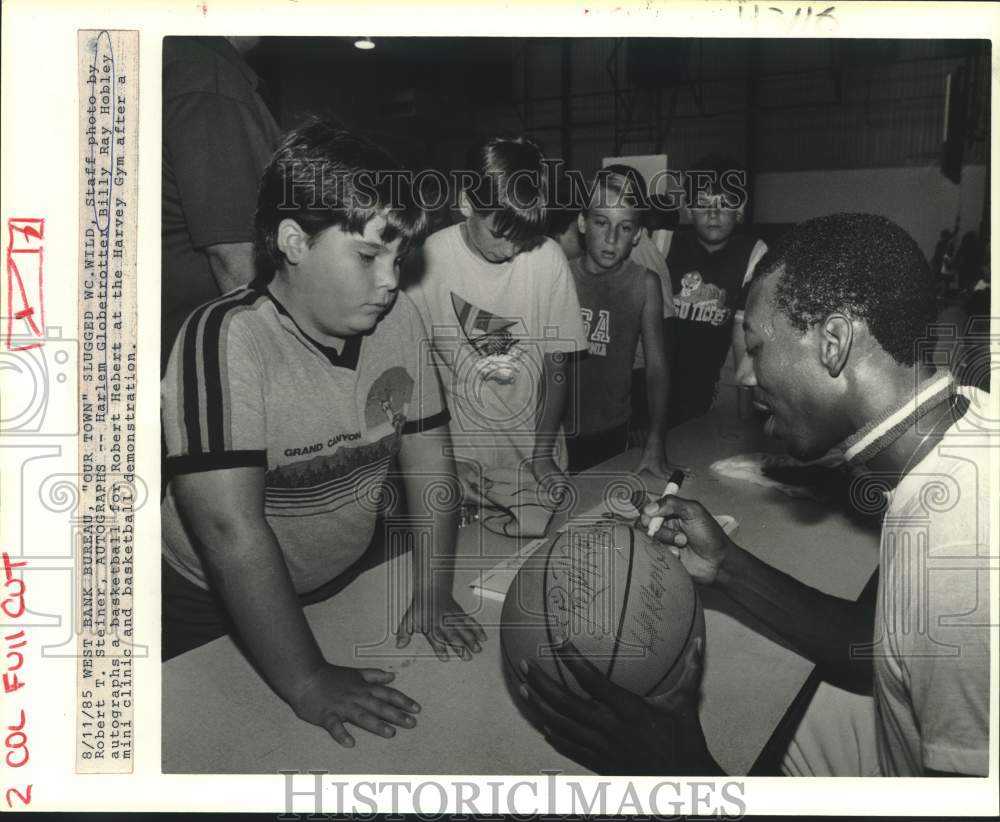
[(439, 618), (617, 731), (692, 534), (334, 695)]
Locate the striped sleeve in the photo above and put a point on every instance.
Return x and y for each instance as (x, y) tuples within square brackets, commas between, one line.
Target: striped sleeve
[(212, 395)]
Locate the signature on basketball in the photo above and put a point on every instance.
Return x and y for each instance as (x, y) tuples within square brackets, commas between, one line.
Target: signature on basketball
[(643, 628), (579, 598)]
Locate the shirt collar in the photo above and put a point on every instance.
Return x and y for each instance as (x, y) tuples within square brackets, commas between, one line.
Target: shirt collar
[(879, 433), (346, 358)]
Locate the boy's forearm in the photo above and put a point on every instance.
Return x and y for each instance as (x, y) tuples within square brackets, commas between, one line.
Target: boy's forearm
[(249, 572), (658, 395), (555, 390), (433, 495), (432, 500), (658, 370)]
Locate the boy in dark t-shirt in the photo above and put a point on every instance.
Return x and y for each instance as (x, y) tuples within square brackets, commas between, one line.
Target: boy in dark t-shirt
[(710, 268), (502, 320)]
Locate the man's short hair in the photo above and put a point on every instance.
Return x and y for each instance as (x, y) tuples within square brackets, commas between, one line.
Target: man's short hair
[(862, 265), (321, 176), (507, 178)]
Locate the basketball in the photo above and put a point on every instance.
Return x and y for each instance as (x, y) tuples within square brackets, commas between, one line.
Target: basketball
[(628, 606)]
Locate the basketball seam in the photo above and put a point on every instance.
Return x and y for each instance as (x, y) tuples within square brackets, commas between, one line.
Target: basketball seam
[(548, 622), (624, 611), (680, 656)]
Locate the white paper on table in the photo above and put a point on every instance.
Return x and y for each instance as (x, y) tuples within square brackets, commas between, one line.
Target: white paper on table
[(495, 582), (751, 468)]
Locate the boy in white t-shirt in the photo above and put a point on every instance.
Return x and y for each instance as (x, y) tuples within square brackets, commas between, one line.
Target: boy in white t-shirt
[(498, 301)]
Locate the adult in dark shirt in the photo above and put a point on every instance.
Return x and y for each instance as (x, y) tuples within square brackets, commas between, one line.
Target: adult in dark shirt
[(218, 135)]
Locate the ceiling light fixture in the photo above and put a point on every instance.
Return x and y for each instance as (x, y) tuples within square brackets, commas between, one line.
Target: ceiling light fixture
[(364, 43)]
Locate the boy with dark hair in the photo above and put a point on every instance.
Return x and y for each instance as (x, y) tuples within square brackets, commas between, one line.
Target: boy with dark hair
[(621, 302), (498, 301), (283, 404), (710, 268)]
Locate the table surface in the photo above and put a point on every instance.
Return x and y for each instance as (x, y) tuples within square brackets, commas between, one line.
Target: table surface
[(220, 717)]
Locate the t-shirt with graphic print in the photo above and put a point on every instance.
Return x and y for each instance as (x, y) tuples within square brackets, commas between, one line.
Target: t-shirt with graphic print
[(245, 386), (491, 324), (611, 304), (710, 290)]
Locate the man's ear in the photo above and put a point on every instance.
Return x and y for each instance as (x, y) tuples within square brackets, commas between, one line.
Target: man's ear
[(293, 242), (464, 205), (836, 335)]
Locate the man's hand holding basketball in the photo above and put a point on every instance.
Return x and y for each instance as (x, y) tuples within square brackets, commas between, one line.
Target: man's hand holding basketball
[(692, 534), (618, 732)]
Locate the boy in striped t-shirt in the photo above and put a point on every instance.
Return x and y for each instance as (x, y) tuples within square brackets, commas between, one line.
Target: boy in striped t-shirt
[(283, 405)]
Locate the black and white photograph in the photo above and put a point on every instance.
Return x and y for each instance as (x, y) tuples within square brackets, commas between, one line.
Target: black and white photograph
[(575, 405), (521, 408)]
